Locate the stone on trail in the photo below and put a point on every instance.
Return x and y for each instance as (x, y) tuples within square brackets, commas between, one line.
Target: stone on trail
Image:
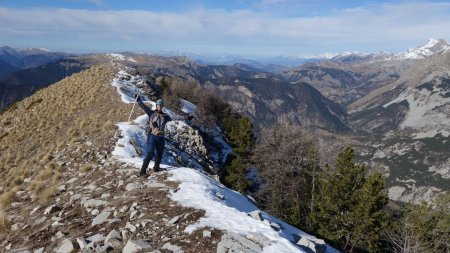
[(173, 248), (101, 218), (130, 227), (174, 220), (51, 209), (82, 244), (113, 239), (207, 233), (133, 246), (231, 242), (65, 247), (256, 215), (133, 186), (22, 250), (93, 203), (312, 244), (96, 238), (40, 250)]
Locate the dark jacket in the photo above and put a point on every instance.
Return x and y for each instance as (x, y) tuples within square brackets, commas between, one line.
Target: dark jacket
[(156, 119)]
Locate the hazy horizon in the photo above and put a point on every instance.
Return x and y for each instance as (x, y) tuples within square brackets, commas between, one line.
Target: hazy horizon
[(256, 28)]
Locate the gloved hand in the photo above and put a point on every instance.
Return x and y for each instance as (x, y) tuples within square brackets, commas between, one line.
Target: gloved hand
[(138, 97), (190, 117), (155, 131)]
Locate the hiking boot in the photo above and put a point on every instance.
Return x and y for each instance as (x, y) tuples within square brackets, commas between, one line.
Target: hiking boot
[(143, 175), (156, 169)]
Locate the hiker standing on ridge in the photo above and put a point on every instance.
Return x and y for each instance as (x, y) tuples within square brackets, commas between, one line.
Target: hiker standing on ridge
[(155, 134)]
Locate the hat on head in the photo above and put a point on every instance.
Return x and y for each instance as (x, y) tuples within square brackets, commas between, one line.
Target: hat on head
[(159, 102)]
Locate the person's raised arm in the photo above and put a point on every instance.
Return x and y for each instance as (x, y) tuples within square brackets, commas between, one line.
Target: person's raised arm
[(143, 106)]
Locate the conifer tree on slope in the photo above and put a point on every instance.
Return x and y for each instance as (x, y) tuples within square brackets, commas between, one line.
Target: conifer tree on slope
[(349, 208)]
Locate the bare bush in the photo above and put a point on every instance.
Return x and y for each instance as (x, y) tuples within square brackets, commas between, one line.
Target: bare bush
[(287, 159), (403, 239)]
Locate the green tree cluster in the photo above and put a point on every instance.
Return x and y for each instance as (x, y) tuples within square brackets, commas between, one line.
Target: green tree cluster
[(240, 134), (350, 206)]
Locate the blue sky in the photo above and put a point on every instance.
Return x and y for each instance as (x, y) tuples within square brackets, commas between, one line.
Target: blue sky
[(244, 27)]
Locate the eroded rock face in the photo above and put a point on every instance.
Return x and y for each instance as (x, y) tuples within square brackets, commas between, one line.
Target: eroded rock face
[(188, 138)]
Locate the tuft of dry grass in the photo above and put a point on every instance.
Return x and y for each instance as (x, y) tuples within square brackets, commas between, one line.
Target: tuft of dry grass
[(7, 198), (87, 167), (4, 223), (48, 193), (43, 175)]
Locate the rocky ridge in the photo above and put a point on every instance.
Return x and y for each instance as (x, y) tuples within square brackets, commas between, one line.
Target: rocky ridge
[(101, 206)]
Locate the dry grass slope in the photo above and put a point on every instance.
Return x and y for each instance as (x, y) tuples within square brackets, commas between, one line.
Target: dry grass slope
[(61, 117)]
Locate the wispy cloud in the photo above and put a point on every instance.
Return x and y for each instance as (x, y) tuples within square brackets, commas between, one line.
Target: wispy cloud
[(375, 27)]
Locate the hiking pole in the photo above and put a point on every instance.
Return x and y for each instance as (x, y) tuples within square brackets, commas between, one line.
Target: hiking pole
[(132, 109)]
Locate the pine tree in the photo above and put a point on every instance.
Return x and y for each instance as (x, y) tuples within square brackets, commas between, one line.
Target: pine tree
[(239, 131), (243, 137), (349, 209), (236, 174), (369, 216)]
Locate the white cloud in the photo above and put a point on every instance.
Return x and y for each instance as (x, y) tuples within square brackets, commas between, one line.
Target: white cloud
[(374, 27)]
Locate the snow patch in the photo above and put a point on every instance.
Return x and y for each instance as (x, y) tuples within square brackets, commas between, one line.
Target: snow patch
[(188, 107), (199, 191), (124, 150), (121, 57), (126, 86), (131, 59)]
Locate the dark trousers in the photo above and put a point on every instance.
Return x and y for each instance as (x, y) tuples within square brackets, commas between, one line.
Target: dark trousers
[(154, 143)]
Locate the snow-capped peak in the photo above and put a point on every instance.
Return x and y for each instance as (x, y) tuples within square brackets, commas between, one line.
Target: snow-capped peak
[(31, 49), (431, 43), (433, 46), (319, 56), (334, 55)]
